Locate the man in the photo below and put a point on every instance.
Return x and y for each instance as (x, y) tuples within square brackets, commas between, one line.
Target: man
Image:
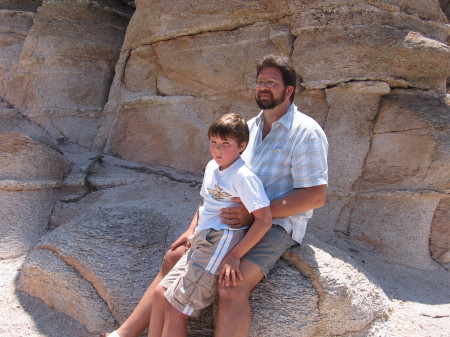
[(288, 151)]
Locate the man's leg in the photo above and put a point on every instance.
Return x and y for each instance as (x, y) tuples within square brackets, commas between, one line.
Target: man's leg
[(139, 319), (234, 315)]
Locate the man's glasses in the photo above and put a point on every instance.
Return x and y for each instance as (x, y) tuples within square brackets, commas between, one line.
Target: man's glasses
[(268, 83)]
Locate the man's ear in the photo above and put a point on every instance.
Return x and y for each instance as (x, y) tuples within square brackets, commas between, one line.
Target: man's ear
[(289, 91)]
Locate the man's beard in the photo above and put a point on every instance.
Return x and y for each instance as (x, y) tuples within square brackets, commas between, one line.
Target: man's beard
[(270, 103)]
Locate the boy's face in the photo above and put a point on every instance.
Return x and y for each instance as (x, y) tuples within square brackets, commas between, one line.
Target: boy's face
[(225, 151)]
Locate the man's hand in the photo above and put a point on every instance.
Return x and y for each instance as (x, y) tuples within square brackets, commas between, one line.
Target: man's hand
[(237, 216), (183, 239), (229, 270)]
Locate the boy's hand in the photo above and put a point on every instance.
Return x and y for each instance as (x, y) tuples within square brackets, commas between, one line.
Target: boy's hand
[(183, 239), (229, 271), (237, 216)]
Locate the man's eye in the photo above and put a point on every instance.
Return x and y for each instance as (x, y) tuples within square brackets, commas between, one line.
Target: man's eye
[(270, 83)]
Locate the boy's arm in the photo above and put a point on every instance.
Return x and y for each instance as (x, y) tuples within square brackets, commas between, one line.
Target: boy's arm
[(229, 267), (188, 233)]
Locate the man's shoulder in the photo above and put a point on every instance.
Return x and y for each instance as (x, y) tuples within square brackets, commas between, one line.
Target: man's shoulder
[(305, 124), (302, 119)]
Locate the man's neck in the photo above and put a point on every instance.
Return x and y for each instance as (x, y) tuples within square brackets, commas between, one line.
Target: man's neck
[(272, 115)]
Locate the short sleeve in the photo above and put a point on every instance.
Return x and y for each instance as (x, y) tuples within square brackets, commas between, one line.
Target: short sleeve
[(251, 192), (309, 162)]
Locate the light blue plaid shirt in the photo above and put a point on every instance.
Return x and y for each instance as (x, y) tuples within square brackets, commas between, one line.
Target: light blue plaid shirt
[(293, 155)]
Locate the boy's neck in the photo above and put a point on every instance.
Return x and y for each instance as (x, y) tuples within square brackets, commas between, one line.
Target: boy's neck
[(229, 165)]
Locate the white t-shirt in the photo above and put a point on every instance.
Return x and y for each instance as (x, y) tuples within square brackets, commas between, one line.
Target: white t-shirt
[(220, 186)]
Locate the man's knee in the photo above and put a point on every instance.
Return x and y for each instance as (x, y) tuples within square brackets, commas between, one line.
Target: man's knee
[(232, 294)]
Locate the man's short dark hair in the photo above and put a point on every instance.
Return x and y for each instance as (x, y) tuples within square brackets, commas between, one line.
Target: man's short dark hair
[(283, 64), (230, 126)]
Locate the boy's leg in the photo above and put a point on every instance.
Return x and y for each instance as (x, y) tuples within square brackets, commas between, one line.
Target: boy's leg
[(139, 319), (157, 318), (176, 323)]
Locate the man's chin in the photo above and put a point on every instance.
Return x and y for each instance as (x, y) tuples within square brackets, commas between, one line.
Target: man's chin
[(265, 105)]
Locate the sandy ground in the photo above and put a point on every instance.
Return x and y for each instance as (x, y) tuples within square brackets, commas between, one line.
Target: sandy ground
[(421, 303)]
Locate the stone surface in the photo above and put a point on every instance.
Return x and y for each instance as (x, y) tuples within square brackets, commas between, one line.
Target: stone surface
[(132, 226), (410, 145), (66, 66), (30, 174), (384, 192), (24, 159), (393, 45), (440, 232), (14, 27), (221, 66), (69, 75)]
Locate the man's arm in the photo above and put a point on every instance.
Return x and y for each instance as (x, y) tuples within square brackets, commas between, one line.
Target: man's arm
[(299, 201)]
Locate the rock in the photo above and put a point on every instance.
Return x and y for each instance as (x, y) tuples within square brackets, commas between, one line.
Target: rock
[(399, 235), (166, 23), (393, 44), (344, 290), (30, 174), (62, 80), (45, 272), (373, 74), (221, 65), (440, 233), (14, 27), (410, 145), (26, 160), (395, 181), (112, 243), (162, 143), (349, 128), (111, 247)]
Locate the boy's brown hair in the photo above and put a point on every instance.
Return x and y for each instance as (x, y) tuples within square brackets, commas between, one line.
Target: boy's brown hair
[(230, 126)]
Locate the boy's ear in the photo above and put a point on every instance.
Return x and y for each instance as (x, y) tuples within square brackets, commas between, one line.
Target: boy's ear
[(242, 146)]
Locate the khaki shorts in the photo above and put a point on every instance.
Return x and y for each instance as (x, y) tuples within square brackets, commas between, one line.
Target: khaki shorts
[(192, 283), (269, 249)]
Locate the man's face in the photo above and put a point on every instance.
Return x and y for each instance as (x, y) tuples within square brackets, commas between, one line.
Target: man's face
[(270, 89)]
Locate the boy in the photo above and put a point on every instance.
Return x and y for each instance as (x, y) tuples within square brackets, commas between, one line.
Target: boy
[(215, 250)]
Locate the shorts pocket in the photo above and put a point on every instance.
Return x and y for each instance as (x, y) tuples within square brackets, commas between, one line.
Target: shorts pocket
[(197, 288), (278, 235)]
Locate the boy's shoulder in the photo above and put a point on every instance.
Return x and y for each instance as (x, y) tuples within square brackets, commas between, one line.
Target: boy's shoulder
[(244, 172)]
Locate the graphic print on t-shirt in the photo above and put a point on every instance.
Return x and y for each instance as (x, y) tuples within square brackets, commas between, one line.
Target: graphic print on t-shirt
[(217, 193)]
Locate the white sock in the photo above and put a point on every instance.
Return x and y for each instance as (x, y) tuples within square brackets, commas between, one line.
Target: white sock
[(114, 334)]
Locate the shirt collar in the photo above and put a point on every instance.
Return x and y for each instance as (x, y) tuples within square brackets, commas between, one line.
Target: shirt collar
[(285, 120)]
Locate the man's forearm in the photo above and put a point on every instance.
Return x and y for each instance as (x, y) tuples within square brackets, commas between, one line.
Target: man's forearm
[(299, 201)]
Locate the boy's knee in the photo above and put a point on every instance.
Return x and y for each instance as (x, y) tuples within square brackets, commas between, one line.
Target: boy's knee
[(170, 259), (159, 292)]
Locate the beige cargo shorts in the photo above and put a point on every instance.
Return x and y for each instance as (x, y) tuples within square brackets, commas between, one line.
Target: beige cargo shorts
[(192, 283)]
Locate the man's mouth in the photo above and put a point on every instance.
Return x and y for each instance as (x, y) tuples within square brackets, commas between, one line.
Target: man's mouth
[(265, 95)]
